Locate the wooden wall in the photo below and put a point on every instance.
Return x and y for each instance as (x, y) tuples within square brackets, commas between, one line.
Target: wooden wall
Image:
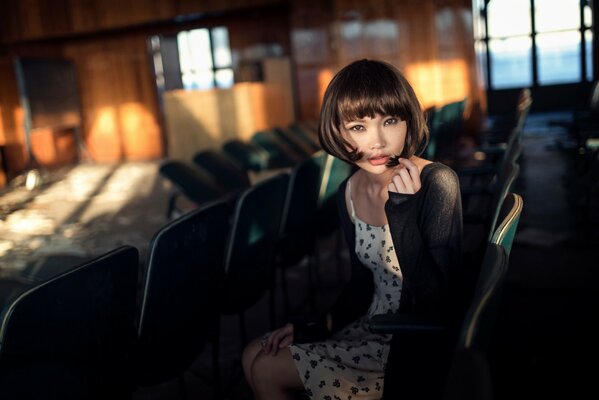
[(430, 40)]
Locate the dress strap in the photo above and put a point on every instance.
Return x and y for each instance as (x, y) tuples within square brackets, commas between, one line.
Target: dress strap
[(351, 202)]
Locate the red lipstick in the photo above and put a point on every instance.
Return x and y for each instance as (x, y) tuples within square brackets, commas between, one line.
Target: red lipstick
[(378, 160)]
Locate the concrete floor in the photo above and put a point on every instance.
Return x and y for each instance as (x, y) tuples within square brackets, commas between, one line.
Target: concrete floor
[(546, 324)]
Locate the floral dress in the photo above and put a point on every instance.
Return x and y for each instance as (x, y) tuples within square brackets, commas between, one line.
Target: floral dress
[(351, 364)]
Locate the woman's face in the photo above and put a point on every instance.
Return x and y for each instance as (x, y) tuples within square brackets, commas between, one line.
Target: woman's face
[(377, 138)]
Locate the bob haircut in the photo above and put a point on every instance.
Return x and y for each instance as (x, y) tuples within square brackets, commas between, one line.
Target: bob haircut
[(365, 88)]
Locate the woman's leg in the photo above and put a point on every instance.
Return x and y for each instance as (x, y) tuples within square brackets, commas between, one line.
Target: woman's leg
[(247, 359), (275, 377)]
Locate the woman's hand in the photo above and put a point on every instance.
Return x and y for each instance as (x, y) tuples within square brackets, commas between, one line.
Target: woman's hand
[(278, 339), (406, 179)]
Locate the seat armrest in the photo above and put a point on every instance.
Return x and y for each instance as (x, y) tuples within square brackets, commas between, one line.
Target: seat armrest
[(406, 323)]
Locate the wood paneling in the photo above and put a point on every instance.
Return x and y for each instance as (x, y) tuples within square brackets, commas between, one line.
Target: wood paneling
[(430, 40), (119, 106), (22, 20)]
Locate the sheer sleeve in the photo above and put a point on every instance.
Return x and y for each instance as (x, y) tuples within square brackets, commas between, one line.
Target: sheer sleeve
[(427, 232)]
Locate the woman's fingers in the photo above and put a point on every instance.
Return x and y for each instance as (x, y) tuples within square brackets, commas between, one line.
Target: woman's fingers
[(414, 174), (277, 338), (406, 179)]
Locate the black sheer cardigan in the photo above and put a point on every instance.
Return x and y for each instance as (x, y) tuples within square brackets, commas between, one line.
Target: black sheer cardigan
[(426, 228)]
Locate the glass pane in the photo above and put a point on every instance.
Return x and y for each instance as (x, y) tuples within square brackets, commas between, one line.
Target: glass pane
[(224, 78), (511, 62), (558, 57), (199, 48), (508, 18), (588, 15), (220, 45), (200, 79), (554, 15), (588, 42)]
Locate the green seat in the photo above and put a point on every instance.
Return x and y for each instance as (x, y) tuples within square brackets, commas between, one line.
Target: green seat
[(482, 207), (248, 156), (334, 172), (445, 124), (297, 238), (466, 374), (309, 137), (507, 221), (281, 155), (72, 336), (295, 141), (249, 267)]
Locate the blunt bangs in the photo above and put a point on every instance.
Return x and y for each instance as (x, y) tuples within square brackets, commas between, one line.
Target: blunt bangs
[(365, 98)]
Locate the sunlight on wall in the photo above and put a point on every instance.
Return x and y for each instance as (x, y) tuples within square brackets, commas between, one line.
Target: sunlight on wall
[(103, 141), (200, 119), (324, 77), (439, 82), (140, 133)]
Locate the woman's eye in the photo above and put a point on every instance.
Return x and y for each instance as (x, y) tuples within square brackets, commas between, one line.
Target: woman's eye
[(356, 128), (391, 121)]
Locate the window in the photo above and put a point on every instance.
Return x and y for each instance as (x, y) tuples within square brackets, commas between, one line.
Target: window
[(522, 43), (205, 58), (195, 59)]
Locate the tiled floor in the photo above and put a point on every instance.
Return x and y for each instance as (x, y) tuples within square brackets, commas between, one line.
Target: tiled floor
[(545, 328)]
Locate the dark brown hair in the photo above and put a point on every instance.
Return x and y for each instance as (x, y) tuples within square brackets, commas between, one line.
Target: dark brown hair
[(365, 88)]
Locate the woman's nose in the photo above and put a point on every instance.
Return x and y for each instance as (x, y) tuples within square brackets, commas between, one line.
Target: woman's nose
[(378, 140)]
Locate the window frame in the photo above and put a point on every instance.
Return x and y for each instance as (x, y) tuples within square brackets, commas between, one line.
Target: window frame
[(484, 40)]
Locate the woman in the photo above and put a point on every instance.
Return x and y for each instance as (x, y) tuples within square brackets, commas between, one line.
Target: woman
[(401, 215)]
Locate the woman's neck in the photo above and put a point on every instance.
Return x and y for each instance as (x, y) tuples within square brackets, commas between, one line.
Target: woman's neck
[(376, 184)]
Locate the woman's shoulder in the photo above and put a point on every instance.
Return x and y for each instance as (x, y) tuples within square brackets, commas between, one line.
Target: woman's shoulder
[(438, 177), (438, 172)]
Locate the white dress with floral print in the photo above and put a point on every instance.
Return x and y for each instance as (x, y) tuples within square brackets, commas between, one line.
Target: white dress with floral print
[(351, 364)]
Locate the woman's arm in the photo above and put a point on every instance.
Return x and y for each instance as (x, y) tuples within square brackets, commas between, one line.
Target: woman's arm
[(426, 228)]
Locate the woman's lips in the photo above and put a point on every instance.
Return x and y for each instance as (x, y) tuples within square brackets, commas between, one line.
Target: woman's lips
[(378, 160)]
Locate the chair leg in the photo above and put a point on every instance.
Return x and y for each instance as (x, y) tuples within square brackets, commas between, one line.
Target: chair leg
[(182, 387), (218, 390), (285, 289), (312, 265), (338, 248), (242, 329)]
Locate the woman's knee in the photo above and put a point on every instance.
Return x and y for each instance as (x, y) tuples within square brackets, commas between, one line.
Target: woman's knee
[(275, 371), (249, 355)]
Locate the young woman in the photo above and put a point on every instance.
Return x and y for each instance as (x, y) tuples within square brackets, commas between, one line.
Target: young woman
[(402, 218)]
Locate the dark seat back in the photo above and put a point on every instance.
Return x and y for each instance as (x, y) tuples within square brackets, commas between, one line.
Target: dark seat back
[(77, 328), (469, 377), (179, 287), (199, 186)]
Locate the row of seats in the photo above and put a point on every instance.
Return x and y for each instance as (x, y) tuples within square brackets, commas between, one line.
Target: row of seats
[(218, 259), (491, 215)]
